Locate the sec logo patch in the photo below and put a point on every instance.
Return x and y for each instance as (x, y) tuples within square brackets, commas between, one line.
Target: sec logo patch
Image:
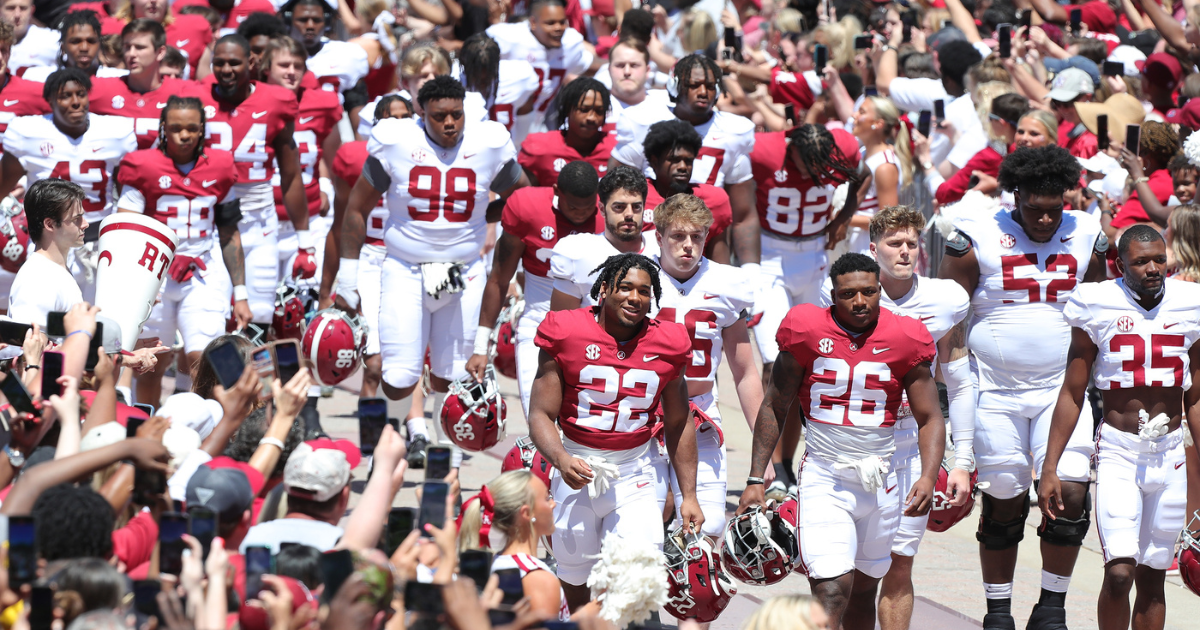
[(825, 345), (1125, 323), (592, 352), (1008, 241)]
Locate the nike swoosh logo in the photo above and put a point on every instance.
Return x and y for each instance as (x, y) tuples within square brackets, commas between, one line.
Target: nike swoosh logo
[(1180, 464), (649, 357), (878, 350), (181, 43), (208, 182), (643, 484), (469, 156), (160, 105), (257, 115), (927, 318), (304, 121), (1064, 239), (709, 296), (889, 490), (95, 149), (8, 103), (470, 278), (1166, 326)]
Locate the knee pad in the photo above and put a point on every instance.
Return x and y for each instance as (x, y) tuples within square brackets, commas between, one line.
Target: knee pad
[(1000, 535), (1067, 532)]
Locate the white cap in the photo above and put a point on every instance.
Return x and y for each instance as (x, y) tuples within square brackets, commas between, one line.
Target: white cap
[(1129, 56), (180, 441), (104, 435), (319, 469), (190, 410), (1101, 163), (1070, 84)]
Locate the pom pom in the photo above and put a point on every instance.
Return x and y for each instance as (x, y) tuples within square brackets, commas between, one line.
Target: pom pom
[(628, 580), (1191, 149), (973, 203)]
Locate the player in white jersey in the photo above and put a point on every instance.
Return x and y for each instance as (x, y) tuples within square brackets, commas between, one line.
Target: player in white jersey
[(438, 172), (70, 143), (503, 88), (1020, 266), (724, 159), (574, 263), (1135, 339), (33, 45), (552, 48), (942, 307), (338, 65)]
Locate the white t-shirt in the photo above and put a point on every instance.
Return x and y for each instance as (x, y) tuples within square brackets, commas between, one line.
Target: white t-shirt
[(318, 534), (41, 287), (40, 47)]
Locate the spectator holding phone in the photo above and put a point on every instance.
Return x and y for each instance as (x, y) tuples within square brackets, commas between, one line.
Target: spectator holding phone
[(1152, 183)]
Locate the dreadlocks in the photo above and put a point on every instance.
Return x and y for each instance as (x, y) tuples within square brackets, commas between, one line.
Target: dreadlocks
[(614, 270), (820, 154), (480, 59), (571, 97), (180, 102), (683, 71)]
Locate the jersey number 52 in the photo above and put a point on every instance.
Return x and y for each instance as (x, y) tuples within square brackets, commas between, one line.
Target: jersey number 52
[(1055, 263)]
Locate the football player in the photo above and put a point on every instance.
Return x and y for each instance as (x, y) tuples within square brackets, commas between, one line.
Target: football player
[(256, 121), (32, 44), (504, 88), (339, 66), (534, 221), (942, 306), (851, 401), (1020, 267), (438, 172), (577, 258), (723, 161), (79, 33), (18, 97), (671, 148), (259, 29), (143, 93), (579, 134), (72, 144), (187, 187), (602, 373), (1138, 333)]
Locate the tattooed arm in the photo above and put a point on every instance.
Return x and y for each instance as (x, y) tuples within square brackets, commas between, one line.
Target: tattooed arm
[(786, 376), (235, 262)]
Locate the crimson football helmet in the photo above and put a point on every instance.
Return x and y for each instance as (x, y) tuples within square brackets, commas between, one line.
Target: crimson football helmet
[(288, 322), (697, 587), (1189, 554), (525, 456), (788, 514), (757, 547), (504, 338), (474, 413), (334, 343), (943, 515), (14, 235)]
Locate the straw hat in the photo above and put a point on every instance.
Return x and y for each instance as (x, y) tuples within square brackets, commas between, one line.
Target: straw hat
[(1122, 109)]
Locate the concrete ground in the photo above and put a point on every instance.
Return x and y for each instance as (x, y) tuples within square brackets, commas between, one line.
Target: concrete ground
[(949, 593)]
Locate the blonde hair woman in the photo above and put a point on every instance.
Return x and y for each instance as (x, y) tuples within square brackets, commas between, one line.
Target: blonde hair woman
[(696, 31), (383, 50), (983, 95), (795, 612), (838, 38), (1183, 242), (1037, 128), (888, 154)]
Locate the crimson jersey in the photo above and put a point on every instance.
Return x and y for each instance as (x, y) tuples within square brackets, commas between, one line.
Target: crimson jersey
[(249, 129), (789, 204), (191, 35), (238, 14), (544, 154), (610, 390), (348, 165), (113, 97), (715, 198), (797, 89), (154, 186), (19, 97), (531, 214), (319, 113)]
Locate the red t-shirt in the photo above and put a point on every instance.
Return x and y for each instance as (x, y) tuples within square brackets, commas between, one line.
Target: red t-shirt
[(1085, 145), (134, 543), (953, 189), (791, 87), (1132, 212)]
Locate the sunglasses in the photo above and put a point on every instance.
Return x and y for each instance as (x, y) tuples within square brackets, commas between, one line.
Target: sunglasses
[(996, 118)]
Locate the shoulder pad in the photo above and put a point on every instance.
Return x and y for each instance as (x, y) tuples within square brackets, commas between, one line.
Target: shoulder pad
[(958, 245), (1101, 244)]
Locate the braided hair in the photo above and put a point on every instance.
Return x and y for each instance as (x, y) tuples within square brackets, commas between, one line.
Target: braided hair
[(180, 102), (613, 270), (480, 59), (571, 96), (820, 154), (683, 71)]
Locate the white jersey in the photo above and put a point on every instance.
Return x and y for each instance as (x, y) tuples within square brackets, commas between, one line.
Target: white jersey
[(706, 304), (870, 204), (41, 73), (339, 66), (1138, 348), (40, 47), (41, 286), (724, 157), (551, 65), (527, 564), (518, 82), (1018, 336), (576, 256), (474, 108), (437, 197), (45, 152)]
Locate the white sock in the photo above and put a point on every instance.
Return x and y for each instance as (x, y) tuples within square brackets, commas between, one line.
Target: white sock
[(416, 426), (1055, 583), (997, 591), (439, 400)]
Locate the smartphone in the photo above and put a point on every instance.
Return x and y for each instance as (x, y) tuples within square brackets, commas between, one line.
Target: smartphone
[(923, 123), (1004, 35), (420, 597), (1026, 20), (226, 361), (13, 333), (372, 418), (1076, 20), (41, 612), (14, 390), (862, 42), (510, 585), (789, 114), (477, 565), (336, 567), (202, 525), (870, 90), (1102, 131), (144, 408), (54, 324), (1133, 137), (258, 563), (1113, 69), (171, 528), (145, 594), (131, 427), (399, 526), (22, 551), (97, 343), (433, 505), (263, 363), (148, 486), (52, 368), (939, 110), (287, 359), (437, 463), (820, 57), (731, 37)]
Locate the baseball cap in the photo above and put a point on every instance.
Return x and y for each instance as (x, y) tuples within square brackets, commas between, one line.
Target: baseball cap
[(190, 410), (1083, 63), (1188, 115), (945, 36), (112, 335), (106, 434), (1132, 58), (252, 475), (319, 469), (180, 441), (1069, 84), (1101, 163), (1163, 62), (225, 491)]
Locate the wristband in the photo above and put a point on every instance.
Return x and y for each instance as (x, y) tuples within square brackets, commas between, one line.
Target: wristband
[(483, 337), (33, 367), (754, 481), (326, 186), (306, 239), (347, 275), (79, 332), (270, 441), (240, 293)]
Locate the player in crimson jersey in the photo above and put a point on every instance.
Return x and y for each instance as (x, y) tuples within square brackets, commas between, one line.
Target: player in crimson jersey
[(188, 34), (1020, 267), (602, 373), (18, 97), (671, 148), (851, 400), (582, 106), (256, 121), (187, 187), (143, 93), (1136, 337), (534, 221), (232, 12)]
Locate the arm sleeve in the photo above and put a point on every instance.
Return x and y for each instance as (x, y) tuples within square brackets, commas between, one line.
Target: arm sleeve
[(957, 375), (376, 174), (508, 177), (228, 213), (132, 199), (914, 95)]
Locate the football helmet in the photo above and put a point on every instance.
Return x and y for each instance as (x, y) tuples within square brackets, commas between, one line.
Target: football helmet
[(943, 515), (288, 322), (788, 514), (14, 235), (757, 547), (504, 338), (474, 413), (697, 587), (525, 456), (1189, 554), (334, 343)]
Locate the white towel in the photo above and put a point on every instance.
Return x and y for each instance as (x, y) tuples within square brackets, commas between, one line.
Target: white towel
[(602, 471), (1152, 428), (443, 278), (871, 470)]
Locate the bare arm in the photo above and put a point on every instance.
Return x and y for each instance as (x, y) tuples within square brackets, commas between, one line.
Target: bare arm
[(1191, 405), (287, 159), (560, 301), (35, 481), (740, 356), (1097, 268), (1066, 415), (369, 515), (363, 197), (11, 172), (931, 436), (962, 18), (1171, 30), (887, 185), (963, 269), (680, 434), (786, 376), (747, 234), (1051, 11), (545, 400), (341, 194)]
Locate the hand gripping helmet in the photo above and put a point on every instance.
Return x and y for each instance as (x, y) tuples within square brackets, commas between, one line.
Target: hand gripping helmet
[(14, 235), (943, 515), (697, 587), (334, 343), (505, 338), (474, 413), (788, 514), (757, 547), (525, 456), (288, 322), (1189, 554)]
